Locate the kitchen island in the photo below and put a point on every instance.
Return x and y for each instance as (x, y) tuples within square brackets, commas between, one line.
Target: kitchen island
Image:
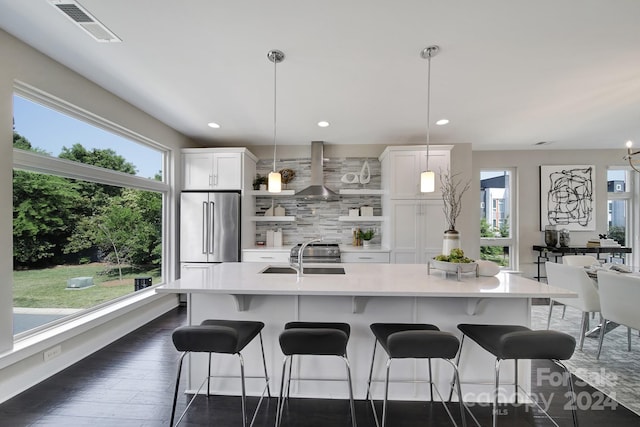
[(365, 294)]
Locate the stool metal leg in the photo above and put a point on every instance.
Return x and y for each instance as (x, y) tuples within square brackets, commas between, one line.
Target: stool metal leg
[(456, 378), (289, 379), (628, 338), (244, 392), (175, 394), (264, 364), (280, 406), (373, 358), (209, 377), (351, 402), (515, 361), (430, 382), (369, 396), (495, 398), (386, 394), (457, 364)]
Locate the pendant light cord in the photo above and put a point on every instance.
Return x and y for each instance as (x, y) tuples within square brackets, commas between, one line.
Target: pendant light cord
[(275, 92), (428, 104)]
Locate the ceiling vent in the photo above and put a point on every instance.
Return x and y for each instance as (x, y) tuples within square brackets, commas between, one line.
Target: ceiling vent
[(83, 19)]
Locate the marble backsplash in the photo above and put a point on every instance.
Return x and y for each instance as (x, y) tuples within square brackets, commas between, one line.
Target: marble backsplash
[(319, 218)]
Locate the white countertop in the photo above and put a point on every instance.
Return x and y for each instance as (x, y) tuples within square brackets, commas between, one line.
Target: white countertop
[(360, 280)]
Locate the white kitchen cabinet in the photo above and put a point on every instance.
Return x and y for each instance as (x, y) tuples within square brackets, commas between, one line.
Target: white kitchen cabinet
[(212, 169), (402, 165), (413, 231), (266, 255), (364, 256), (416, 230)]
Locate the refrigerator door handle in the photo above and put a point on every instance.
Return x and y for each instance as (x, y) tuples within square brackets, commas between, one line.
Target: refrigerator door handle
[(211, 227), (205, 228)]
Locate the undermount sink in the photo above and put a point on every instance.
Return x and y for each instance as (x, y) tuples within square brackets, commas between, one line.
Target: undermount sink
[(307, 270)]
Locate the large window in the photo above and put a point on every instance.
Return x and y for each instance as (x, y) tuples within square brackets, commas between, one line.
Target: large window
[(497, 219), (88, 203), (619, 205)]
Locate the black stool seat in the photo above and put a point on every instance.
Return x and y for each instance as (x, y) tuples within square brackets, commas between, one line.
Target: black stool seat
[(318, 339), (520, 342), (216, 336), (412, 341), (415, 340), (315, 338)]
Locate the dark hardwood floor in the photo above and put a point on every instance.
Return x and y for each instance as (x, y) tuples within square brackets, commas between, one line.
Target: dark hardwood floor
[(130, 383)]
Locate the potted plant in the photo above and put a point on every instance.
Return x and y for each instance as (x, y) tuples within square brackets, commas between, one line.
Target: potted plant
[(366, 236), (452, 192), (259, 180)]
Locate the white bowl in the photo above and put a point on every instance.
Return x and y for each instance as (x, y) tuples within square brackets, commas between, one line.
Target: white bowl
[(454, 267)]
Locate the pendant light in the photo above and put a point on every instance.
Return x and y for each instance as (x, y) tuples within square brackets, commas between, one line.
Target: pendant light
[(428, 177), (275, 179), (630, 154)]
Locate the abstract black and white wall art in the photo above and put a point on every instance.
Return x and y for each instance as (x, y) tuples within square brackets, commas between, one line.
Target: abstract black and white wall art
[(567, 197)]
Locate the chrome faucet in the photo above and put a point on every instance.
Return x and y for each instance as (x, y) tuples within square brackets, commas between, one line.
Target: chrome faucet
[(300, 267)]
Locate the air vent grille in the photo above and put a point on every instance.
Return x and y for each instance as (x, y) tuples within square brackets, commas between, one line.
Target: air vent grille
[(83, 19), (74, 12)]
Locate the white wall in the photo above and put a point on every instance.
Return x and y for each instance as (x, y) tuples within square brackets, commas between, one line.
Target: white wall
[(527, 163), (22, 63)]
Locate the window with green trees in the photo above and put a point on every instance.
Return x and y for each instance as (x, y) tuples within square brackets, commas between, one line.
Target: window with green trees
[(496, 218), (85, 223), (619, 196)]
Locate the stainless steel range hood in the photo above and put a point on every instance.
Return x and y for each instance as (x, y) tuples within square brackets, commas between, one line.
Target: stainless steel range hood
[(317, 190)]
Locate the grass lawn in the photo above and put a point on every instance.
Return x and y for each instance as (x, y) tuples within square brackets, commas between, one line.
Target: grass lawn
[(47, 288)]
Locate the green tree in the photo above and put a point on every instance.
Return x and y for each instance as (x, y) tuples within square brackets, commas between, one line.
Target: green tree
[(103, 158), (21, 142), (493, 253), (97, 195), (126, 231), (43, 217)]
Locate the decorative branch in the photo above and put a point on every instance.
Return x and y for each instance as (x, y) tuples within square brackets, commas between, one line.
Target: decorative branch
[(452, 192)]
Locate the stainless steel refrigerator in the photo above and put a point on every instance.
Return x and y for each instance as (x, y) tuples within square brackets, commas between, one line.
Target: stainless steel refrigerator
[(209, 227)]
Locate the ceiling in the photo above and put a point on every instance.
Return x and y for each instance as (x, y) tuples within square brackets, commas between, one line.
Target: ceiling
[(510, 73)]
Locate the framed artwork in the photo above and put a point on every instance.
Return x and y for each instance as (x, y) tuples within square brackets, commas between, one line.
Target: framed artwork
[(567, 197)]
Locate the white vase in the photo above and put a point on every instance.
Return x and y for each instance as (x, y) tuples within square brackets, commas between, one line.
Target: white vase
[(366, 243), (450, 240)]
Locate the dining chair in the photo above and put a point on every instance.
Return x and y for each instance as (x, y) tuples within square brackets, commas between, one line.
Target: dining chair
[(574, 279), (619, 296), (578, 261)]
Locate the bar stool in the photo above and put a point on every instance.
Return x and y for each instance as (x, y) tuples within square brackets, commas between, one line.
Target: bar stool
[(519, 342), (318, 339), (413, 341), (218, 336)]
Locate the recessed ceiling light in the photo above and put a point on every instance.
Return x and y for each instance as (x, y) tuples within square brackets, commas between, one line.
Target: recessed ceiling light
[(442, 122), (323, 124), (213, 125)]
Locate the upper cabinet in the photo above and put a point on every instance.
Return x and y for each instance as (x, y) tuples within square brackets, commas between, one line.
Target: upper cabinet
[(214, 168), (402, 165)]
